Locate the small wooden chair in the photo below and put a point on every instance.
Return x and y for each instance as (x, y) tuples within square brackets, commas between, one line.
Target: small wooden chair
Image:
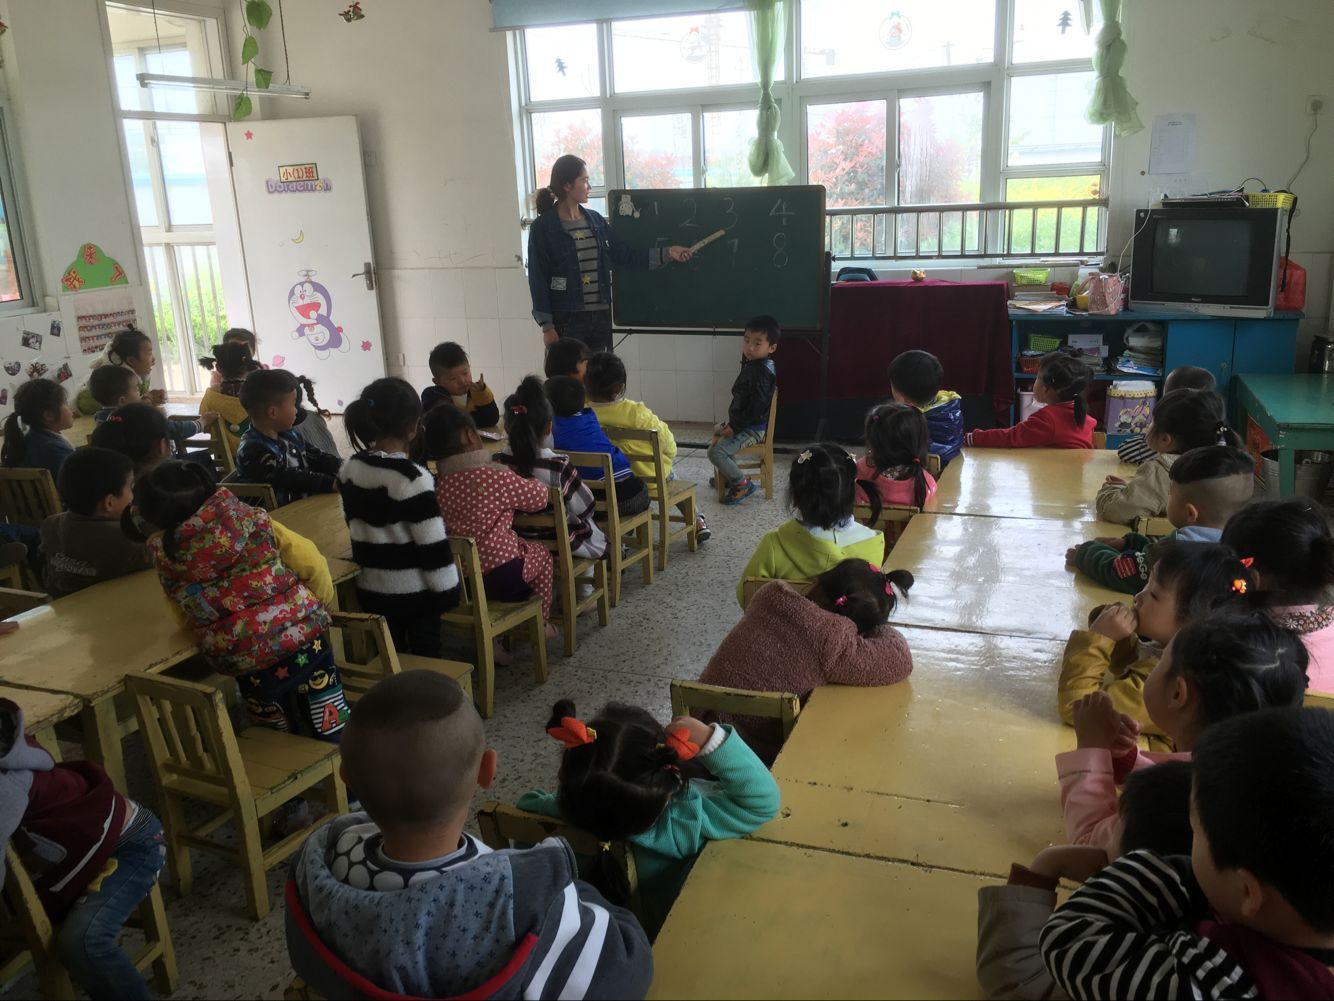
[(28, 496), (759, 456), (690, 697), (1318, 700), (36, 936), (11, 577), (666, 494), (750, 585), (368, 656), (254, 494), (634, 534), (1099, 440), (893, 520), (503, 826), (224, 453), (485, 620), (569, 572), (197, 756), (1154, 527)]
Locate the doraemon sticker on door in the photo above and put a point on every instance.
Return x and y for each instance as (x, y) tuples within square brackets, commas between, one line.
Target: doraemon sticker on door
[(310, 304)]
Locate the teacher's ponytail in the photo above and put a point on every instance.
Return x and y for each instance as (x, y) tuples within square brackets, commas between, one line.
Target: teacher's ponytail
[(565, 170)]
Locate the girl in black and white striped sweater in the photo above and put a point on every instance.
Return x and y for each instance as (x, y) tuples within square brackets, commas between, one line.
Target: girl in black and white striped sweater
[(398, 537)]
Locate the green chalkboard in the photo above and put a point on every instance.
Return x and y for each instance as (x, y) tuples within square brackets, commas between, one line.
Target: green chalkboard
[(770, 258)]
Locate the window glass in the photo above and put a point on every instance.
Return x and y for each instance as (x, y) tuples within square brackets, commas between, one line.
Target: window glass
[(675, 53), (1054, 29), (1057, 189), (562, 62), (842, 37), (556, 133), (137, 142), (727, 139), (1047, 123), (657, 152), (845, 150), (940, 149), (183, 173), (10, 286)]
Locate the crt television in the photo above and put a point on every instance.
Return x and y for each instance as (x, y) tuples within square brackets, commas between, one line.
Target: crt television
[(1220, 261)]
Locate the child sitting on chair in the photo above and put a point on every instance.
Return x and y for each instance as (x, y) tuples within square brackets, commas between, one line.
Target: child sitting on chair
[(272, 451), (1135, 450), (93, 855), (567, 356), (1208, 486), (835, 634), (1292, 556), (1184, 419), (748, 415), (138, 431), (1187, 580), (231, 362), (130, 349), (451, 382), (575, 428), (32, 432), (113, 386), (914, 379), (821, 490), (85, 544), (1249, 913), (402, 900), (621, 779), (1062, 422), (897, 446)]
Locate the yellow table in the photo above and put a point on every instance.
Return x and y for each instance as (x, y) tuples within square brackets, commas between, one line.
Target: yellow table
[(997, 575), (1029, 483), (320, 519), (78, 432), (760, 920), (951, 768)]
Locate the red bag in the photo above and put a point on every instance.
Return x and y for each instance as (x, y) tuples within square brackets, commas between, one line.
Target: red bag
[(1291, 286)]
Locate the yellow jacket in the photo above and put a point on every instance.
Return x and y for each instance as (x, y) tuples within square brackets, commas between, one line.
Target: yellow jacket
[(631, 414), (232, 416), (1093, 663), (304, 559), (794, 552)]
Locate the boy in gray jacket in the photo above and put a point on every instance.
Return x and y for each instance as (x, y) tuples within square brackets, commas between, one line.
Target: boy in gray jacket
[(400, 900)]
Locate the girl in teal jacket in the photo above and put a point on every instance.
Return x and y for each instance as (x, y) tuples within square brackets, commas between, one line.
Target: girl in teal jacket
[(666, 790)]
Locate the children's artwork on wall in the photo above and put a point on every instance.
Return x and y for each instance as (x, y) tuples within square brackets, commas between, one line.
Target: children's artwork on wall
[(31, 339), (98, 316), (311, 305), (38, 369), (64, 372), (28, 353), (57, 328), (92, 268)]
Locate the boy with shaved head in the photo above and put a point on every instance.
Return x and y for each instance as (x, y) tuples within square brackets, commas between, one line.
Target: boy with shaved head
[(400, 899)]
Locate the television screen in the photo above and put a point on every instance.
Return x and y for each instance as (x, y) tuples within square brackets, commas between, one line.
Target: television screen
[(1202, 257)]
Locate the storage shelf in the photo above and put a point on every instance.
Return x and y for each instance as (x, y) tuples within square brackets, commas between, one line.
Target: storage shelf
[(1101, 378)]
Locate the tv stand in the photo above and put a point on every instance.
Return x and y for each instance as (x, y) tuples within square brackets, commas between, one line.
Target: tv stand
[(1224, 345)]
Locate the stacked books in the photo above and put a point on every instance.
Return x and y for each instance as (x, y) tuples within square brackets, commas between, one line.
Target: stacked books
[(1144, 351)]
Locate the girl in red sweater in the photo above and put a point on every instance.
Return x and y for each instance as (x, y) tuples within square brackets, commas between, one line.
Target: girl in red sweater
[(838, 634), (1064, 421)]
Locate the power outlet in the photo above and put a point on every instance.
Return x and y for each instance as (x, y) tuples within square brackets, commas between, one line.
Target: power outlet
[(1316, 103)]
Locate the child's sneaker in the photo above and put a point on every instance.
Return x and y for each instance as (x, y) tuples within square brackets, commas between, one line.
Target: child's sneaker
[(702, 531), (740, 492)]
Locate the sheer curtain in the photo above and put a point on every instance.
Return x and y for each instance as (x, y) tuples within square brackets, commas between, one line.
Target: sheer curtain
[(1112, 102), (767, 159)]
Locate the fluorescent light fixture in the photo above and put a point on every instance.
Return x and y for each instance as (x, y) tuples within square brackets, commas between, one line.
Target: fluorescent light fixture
[(221, 86)]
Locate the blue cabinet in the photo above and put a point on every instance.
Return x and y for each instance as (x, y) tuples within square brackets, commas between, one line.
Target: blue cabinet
[(1223, 346)]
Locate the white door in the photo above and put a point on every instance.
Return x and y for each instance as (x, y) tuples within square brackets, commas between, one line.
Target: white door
[(301, 200)]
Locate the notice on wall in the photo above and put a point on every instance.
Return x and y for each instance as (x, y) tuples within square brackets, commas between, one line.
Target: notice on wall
[(99, 315), (1172, 146)]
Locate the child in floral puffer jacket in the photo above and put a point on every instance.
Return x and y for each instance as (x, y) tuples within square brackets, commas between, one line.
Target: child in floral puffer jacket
[(253, 593)]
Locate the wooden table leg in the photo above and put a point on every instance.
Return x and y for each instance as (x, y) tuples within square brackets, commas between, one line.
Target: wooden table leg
[(101, 739)]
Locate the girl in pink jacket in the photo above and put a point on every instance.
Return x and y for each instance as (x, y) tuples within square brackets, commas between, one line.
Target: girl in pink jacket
[(1222, 665), (1292, 557), (789, 642), (897, 443)]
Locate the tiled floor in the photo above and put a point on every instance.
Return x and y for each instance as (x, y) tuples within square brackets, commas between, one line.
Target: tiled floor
[(657, 633)]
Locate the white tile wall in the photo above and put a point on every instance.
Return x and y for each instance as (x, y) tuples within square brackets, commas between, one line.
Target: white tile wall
[(514, 301), (479, 293), (484, 347), (447, 293)]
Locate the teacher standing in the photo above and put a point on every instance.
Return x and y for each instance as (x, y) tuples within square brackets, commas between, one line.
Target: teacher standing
[(570, 252)]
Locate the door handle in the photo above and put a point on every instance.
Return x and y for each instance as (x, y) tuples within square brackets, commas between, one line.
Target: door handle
[(368, 272)]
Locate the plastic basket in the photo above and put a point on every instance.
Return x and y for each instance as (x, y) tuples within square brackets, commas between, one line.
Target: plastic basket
[(1031, 276), (1271, 200), (1043, 342)]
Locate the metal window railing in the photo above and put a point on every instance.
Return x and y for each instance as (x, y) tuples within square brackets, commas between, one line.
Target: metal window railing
[(968, 230)]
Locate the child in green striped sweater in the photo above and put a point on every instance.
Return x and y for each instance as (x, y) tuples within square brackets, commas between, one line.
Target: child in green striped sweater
[(624, 777)]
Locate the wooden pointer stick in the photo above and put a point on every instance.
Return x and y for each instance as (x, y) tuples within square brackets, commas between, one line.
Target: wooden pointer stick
[(707, 240)]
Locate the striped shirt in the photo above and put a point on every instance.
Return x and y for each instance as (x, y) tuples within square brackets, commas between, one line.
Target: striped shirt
[(587, 540), (586, 246), (398, 536), (1128, 933), (1135, 450)]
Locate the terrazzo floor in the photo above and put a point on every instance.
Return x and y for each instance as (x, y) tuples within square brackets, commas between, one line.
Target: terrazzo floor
[(664, 631)]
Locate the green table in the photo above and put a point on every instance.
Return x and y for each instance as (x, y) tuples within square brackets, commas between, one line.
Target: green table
[(1295, 411)]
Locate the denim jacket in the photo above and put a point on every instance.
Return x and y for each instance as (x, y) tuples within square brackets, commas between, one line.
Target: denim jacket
[(553, 263)]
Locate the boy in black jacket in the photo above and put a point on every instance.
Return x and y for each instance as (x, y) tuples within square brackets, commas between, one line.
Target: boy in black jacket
[(748, 416)]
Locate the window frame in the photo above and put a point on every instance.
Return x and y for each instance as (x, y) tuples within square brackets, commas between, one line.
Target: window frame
[(11, 187), (795, 95)]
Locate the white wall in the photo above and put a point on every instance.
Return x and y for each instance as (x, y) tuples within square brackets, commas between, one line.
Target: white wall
[(1244, 67), (58, 88)]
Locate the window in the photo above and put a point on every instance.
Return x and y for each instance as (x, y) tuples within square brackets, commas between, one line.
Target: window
[(896, 105), (16, 285)]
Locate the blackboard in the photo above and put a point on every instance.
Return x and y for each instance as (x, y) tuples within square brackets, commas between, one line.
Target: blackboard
[(770, 259)]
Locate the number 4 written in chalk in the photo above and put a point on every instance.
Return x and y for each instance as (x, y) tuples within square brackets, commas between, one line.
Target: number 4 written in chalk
[(781, 210)]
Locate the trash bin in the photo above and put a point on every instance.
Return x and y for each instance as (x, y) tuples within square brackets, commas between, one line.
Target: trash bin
[(1314, 470)]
